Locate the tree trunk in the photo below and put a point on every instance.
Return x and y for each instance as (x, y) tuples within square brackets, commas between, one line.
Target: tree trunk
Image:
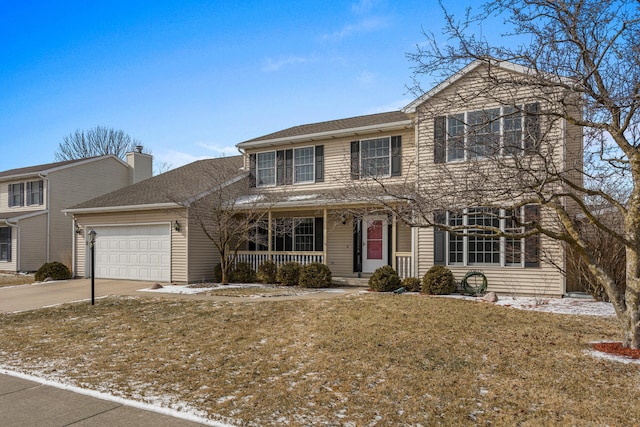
[(631, 317)]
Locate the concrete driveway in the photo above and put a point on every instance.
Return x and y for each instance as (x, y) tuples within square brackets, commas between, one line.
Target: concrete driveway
[(29, 297)]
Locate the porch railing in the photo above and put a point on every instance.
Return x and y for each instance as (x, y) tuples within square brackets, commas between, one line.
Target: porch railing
[(279, 258), (404, 264)]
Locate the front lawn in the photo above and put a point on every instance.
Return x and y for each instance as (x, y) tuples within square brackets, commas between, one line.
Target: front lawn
[(368, 359), (9, 279)]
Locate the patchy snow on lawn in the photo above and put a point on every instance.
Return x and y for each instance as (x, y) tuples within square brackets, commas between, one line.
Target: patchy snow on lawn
[(191, 290), (581, 306)]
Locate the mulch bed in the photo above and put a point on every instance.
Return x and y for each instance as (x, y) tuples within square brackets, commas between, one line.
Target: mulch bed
[(616, 349)]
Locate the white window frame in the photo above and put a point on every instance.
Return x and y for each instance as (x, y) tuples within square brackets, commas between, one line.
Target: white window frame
[(503, 113), (363, 170), (296, 223), (503, 241), (20, 195), (259, 169), (312, 165), (6, 243), (29, 193)]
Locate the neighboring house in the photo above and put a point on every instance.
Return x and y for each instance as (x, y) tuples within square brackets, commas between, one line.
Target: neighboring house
[(147, 231), (33, 230)]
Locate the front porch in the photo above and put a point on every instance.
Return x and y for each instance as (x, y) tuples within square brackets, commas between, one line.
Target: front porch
[(351, 247)]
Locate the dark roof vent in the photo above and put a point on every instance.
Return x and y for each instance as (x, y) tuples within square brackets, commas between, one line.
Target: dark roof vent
[(139, 148)]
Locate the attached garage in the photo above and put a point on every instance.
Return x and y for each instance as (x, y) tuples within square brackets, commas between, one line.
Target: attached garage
[(133, 252)]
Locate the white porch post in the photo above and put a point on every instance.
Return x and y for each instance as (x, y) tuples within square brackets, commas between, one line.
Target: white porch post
[(325, 234), (269, 236), (394, 234)]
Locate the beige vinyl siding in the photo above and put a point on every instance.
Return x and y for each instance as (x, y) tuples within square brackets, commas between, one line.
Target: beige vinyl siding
[(4, 196), (178, 239), (337, 160), (202, 254), (340, 248), (403, 237), (33, 251), (72, 185)]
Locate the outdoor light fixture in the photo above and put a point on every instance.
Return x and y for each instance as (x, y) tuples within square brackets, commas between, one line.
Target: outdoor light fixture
[(92, 244), (78, 229), (176, 225)]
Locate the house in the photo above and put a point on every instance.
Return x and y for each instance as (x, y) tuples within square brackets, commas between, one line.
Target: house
[(348, 193), (149, 230), (33, 230)]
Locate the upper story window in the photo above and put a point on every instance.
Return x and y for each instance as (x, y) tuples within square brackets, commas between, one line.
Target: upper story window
[(293, 166), (378, 157), (16, 194), (478, 134), (5, 243), (266, 169), (35, 193)]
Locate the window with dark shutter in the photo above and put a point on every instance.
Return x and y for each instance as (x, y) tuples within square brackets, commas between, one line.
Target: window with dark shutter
[(532, 128), (252, 170), (355, 160), (531, 243), (439, 239), (319, 163), (288, 166), (318, 231), (439, 139), (5, 243), (280, 167), (396, 155)]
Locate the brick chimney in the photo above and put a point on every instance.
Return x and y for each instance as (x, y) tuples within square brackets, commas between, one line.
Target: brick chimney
[(141, 165)]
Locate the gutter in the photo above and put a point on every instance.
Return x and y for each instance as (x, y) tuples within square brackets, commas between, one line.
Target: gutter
[(167, 205), (45, 178)]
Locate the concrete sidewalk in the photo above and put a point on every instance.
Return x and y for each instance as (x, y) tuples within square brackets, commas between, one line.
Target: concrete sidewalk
[(28, 403)]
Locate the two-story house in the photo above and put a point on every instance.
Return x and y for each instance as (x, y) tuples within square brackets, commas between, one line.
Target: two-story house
[(33, 229)]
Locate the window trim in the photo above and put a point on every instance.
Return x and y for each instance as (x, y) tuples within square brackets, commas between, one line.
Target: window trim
[(12, 197), (363, 172), (29, 193), (312, 165), (274, 169), (518, 110), (503, 241), (7, 243)]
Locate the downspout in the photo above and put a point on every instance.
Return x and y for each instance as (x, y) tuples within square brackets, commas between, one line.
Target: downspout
[(44, 178), (74, 224), (15, 225)]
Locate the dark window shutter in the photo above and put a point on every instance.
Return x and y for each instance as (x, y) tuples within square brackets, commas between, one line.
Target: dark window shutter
[(29, 185), (355, 161), (21, 194), (439, 139), (288, 167), (389, 238), (319, 163), (439, 240), (41, 185), (357, 245), (10, 195), (532, 128), (280, 179), (252, 171), (531, 243), (396, 155), (318, 232)]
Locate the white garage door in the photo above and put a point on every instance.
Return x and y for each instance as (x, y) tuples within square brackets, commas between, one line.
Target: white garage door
[(134, 252)]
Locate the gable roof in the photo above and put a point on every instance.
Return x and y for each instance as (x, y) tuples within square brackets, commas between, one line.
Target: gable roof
[(48, 167), (505, 65), (334, 128), (169, 189)]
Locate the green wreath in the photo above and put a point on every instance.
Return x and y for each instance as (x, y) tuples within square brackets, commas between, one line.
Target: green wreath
[(475, 287)]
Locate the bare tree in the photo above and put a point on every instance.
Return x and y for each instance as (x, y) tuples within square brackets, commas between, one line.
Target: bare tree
[(98, 141), (577, 78)]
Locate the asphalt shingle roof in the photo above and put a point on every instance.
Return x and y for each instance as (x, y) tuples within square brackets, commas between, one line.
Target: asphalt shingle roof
[(29, 170), (177, 185), (335, 125)]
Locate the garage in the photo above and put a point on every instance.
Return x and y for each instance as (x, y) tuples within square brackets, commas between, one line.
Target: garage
[(133, 252)]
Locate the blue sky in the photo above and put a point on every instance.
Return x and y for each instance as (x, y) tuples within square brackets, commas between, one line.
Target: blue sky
[(190, 79)]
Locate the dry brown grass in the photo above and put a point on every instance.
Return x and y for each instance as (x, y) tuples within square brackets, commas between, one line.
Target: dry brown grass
[(360, 360), (9, 279)]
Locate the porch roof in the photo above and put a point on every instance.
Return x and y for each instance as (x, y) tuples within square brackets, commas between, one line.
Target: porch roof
[(16, 216), (308, 201)]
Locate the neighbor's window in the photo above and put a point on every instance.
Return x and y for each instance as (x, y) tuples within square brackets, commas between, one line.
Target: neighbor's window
[(266, 168), (16, 194), (375, 157), (5, 243), (304, 164), (35, 192)]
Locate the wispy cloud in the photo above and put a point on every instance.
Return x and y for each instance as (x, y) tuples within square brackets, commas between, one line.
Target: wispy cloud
[(363, 6), (363, 26), (367, 78), (218, 150), (276, 64), (391, 106)]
